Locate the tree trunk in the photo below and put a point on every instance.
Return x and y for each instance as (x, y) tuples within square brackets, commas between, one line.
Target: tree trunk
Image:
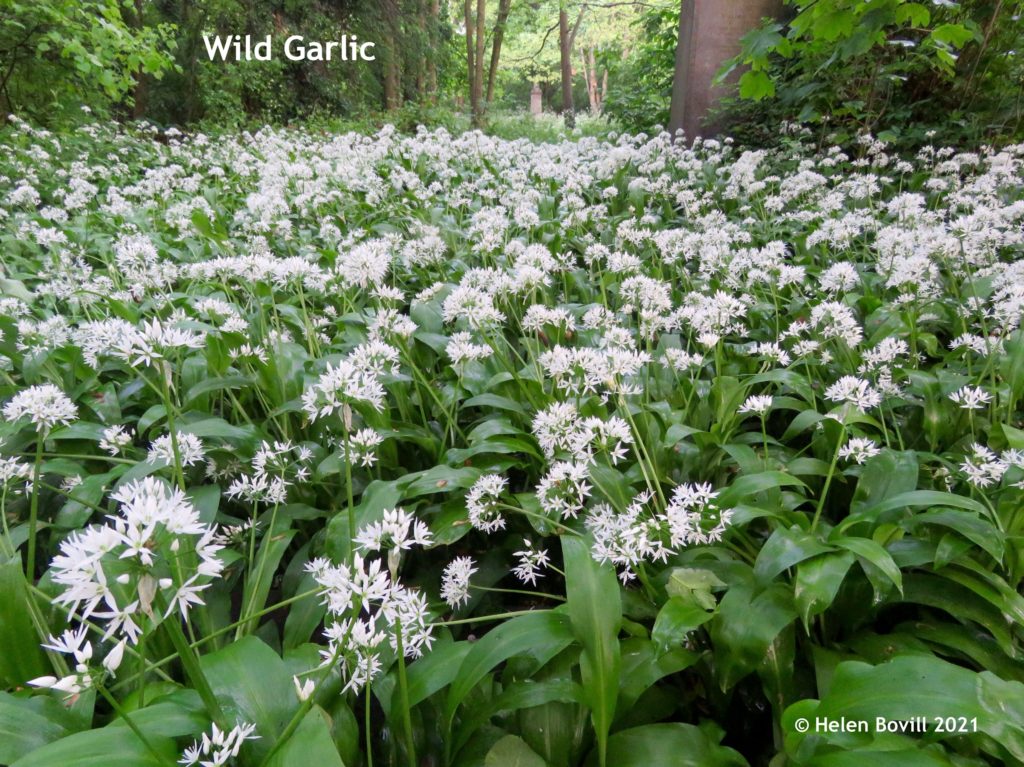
[(604, 86), (709, 35), (564, 51), (139, 95), (392, 67), (478, 80), (422, 50), (432, 46), (592, 91), (499, 34), (467, 7)]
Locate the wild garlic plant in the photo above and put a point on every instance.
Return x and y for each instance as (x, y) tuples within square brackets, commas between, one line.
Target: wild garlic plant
[(387, 444)]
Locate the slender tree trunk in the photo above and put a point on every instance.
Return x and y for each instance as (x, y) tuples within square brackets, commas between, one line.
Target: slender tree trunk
[(467, 7), (422, 50), (432, 46), (586, 77), (392, 66), (478, 80), (592, 87), (565, 49), (139, 95), (604, 86), (499, 34)]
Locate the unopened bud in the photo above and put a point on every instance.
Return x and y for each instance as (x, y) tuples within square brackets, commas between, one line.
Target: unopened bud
[(303, 689)]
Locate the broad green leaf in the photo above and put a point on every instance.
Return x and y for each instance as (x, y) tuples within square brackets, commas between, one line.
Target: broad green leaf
[(676, 619), (518, 635), (887, 475), (833, 23), (79, 430), (786, 547), (304, 615), (975, 528), (21, 658), (219, 428), (904, 687), (944, 594), (252, 685), (1014, 437), (756, 85), (675, 744), (495, 401), (643, 664), (116, 745), (440, 479), (925, 686), (752, 484), (817, 582), (433, 672), (106, 747), (882, 512), (696, 584), (218, 383), (956, 35), (268, 557), (512, 751), (873, 553), (745, 626), (310, 744), (595, 609), (28, 723), (525, 694)]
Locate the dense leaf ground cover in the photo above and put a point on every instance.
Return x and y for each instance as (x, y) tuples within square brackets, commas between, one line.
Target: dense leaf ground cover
[(449, 450)]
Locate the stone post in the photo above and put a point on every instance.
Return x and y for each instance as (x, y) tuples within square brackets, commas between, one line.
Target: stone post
[(536, 100)]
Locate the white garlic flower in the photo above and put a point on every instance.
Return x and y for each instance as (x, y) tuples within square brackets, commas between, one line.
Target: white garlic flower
[(45, 405)]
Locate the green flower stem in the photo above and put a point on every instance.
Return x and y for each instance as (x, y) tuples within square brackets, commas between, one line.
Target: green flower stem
[(403, 694), (306, 705), (523, 592), (510, 366), (123, 714), (171, 430), (351, 497), (71, 497), (311, 342), (33, 512), (247, 608), (828, 477), (539, 517), (250, 557), (646, 464), (157, 665), (368, 729), (486, 618), (142, 668), (39, 622), (764, 439), (194, 672), (107, 458), (421, 379)]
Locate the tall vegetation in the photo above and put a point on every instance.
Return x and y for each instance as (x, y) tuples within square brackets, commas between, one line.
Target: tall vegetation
[(57, 55), (891, 66)]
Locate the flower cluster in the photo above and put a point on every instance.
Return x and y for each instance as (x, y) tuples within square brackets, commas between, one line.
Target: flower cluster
[(152, 560)]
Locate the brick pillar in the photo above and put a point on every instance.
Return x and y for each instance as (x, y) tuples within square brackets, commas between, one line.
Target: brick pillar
[(536, 100)]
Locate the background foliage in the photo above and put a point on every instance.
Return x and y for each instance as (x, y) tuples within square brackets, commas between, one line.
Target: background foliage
[(892, 67)]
